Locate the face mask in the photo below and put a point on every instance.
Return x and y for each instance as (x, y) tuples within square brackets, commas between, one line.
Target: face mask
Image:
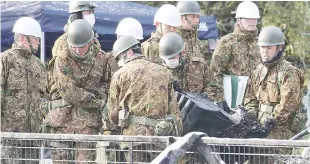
[(90, 18), (172, 63)]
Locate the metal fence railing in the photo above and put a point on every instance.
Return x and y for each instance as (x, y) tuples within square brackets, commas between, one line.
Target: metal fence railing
[(73, 148)]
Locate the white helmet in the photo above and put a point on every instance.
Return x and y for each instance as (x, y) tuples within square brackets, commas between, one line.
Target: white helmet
[(27, 26), (247, 9), (169, 15), (130, 26)]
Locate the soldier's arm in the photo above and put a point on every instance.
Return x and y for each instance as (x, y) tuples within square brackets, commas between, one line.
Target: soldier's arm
[(290, 92), (250, 101), (69, 90), (204, 49), (150, 49), (211, 88), (174, 108), (42, 80), (113, 103), (3, 77), (59, 45), (219, 61)]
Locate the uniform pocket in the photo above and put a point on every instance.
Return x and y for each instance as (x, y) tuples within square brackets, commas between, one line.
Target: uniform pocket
[(273, 90)]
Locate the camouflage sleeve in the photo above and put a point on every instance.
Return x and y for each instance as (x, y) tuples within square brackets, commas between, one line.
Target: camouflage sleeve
[(59, 45), (151, 51), (174, 108), (43, 83), (250, 102), (219, 62), (69, 90), (3, 77), (213, 91), (290, 92), (97, 42), (204, 49), (113, 103), (112, 63)]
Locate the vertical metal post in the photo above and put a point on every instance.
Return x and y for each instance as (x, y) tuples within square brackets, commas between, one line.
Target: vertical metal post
[(130, 153), (42, 54)]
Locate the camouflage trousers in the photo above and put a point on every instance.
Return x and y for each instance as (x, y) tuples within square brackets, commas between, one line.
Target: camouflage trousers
[(69, 152), (14, 153)]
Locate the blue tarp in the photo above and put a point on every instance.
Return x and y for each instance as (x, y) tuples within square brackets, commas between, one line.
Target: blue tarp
[(53, 15)]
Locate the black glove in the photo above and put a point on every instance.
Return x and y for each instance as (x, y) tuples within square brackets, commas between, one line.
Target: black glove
[(262, 131), (176, 86), (224, 106), (269, 123)]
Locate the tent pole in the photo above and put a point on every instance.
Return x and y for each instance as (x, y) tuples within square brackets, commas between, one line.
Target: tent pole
[(42, 55)]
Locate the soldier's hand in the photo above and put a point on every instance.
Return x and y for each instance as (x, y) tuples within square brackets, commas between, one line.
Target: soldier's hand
[(264, 130), (176, 86), (269, 123)]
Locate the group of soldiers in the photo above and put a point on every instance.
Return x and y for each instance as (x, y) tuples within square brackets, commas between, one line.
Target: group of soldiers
[(131, 91)]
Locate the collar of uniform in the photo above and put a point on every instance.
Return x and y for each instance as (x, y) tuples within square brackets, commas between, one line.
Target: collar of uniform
[(273, 64), (245, 35), (136, 56), (187, 33), (21, 51), (156, 34)]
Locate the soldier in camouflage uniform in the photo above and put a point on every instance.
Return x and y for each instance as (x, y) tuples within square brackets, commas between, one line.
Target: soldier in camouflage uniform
[(190, 74), (166, 19), (275, 91), (141, 99), (79, 78), (23, 84), (78, 10), (237, 53), (190, 13)]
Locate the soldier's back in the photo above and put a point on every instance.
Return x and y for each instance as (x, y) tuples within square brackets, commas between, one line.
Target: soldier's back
[(150, 48), (147, 84)]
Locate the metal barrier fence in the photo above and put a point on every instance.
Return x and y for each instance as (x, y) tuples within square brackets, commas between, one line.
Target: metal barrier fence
[(73, 148)]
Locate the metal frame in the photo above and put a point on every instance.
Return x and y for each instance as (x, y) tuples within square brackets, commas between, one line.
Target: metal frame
[(227, 148)]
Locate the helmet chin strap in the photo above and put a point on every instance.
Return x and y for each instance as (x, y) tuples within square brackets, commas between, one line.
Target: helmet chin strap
[(32, 50), (161, 29), (190, 23), (241, 26)]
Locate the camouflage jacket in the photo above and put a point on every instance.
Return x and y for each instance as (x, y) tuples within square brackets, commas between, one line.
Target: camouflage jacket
[(150, 48), (236, 54), (194, 76), (23, 84), (83, 84), (278, 84), (193, 46), (146, 90), (61, 43)]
